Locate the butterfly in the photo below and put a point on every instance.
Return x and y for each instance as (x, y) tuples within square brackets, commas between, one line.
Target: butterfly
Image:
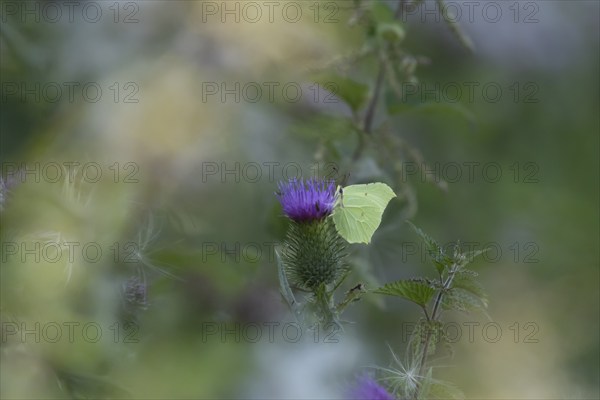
[(359, 212)]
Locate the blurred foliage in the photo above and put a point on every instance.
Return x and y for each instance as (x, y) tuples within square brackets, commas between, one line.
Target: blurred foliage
[(179, 266)]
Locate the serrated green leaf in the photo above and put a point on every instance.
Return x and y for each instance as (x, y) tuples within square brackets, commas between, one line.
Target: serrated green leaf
[(429, 241), (465, 280), (359, 211), (415, 291), (435, 251), (468, 272), (425, 331), (462, 300), (470, 256)]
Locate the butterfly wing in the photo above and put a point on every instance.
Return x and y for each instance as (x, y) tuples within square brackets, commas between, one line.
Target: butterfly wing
[(359, 215)]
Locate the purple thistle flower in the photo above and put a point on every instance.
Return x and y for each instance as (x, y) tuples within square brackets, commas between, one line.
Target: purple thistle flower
[(368, 389), (309, 200)]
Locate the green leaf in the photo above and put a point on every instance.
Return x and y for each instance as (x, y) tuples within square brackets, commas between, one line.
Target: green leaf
[(470, 256), (411, 102), (465, 280), (359, 211), (284, 286), (462, 300), (435, 251), (429, 241), (352, 295), (426, 385), (81, 386), (350, 91), (444, 390), (416, 291), (430, 332)]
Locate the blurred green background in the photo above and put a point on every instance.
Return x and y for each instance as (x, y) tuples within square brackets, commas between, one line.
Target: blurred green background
[(187, 242)]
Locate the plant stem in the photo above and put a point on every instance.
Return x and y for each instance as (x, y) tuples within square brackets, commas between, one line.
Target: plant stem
[(367, 127), (434, 314)]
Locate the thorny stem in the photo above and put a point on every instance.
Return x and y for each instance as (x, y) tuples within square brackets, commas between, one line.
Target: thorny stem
[(434, 314)]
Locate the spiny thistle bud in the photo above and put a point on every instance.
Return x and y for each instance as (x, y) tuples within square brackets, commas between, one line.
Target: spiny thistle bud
[(367, 389), (313, 250)]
